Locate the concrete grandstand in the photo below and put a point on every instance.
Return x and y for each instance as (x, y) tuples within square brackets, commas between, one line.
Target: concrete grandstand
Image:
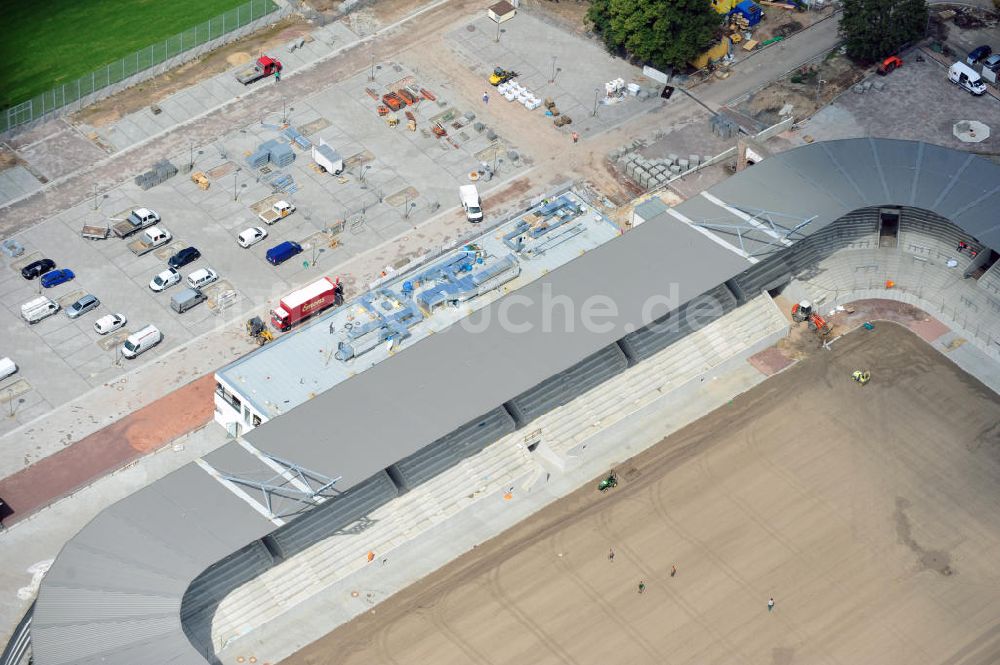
[(144, 580)]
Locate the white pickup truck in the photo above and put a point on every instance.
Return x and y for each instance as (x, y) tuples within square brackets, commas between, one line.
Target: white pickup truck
[(150, 240), (279, 210)]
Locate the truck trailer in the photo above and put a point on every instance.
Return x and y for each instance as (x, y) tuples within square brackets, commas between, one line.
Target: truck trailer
[(299, 305)]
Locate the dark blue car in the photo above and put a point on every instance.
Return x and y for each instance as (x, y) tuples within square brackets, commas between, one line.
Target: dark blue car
[(283, 252), (57, 277)]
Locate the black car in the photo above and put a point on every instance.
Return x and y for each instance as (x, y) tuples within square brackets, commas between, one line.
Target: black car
[(979, 53), (37, 269), (184, 257)]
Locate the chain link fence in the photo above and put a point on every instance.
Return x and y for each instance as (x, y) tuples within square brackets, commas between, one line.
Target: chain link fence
[(145, 63)]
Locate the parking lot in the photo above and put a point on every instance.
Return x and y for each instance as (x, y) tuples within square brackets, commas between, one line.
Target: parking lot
[(394, 180), (918, 103)]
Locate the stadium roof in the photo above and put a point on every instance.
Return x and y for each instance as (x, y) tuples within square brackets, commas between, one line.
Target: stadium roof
[(113, 594)]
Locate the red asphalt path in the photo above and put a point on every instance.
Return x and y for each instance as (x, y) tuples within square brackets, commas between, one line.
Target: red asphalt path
[(109, 449)]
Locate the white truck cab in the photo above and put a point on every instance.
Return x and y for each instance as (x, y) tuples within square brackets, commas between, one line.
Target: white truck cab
[(965, 76), (471, 203)]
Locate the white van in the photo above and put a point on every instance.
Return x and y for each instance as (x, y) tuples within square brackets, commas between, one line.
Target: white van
[(141, 341), (202, 277), (38, 308), (469, 196), (967, 77)]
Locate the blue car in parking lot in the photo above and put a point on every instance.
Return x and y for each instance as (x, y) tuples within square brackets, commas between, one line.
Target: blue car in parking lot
[(283, 252), (57, 277)]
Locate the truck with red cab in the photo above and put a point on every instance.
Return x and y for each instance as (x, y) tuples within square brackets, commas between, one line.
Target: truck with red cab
[(308, 301), (264, 67)]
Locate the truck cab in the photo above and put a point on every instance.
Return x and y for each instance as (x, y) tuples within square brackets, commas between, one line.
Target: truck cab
[(265, 66), (279, 210), (471, 203), (143, 217)]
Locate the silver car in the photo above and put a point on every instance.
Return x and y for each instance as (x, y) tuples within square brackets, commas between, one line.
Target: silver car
[(82, 306)]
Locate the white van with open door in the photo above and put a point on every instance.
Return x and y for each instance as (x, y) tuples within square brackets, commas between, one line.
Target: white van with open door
[(967, 77), (473, 207)]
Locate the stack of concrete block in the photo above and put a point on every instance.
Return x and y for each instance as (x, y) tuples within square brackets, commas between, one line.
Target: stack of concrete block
[(161, 171), (723, 126), (281, 154), (647, 173), (257, 159)]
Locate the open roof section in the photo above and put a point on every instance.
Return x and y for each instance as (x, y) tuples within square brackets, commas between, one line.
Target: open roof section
[(805, 189), (90, 611)]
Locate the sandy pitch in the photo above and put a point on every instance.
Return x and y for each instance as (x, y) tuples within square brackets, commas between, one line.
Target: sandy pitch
[(871, 515)]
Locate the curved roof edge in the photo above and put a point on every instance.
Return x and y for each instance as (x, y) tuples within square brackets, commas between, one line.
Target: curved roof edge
[(114, 593)]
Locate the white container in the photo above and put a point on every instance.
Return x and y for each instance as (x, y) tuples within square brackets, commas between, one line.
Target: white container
[(633, 89)]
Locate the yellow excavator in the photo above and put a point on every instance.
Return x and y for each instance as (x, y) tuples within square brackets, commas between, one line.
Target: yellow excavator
[(501, 75)]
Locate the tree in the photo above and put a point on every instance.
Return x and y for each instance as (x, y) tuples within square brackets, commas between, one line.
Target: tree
[(663, 33), (874, 29)]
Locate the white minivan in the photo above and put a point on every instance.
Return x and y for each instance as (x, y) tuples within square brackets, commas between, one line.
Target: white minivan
[(202, 277), (473, 207), (141, 341), (967, 77)]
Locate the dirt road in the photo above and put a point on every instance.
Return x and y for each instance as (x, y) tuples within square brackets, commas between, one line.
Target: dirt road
[(870, 514)]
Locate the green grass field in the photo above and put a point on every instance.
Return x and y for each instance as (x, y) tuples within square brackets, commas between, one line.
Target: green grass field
[(48, 42)]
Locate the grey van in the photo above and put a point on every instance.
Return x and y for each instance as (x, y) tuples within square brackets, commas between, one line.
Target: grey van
[(186, 299)]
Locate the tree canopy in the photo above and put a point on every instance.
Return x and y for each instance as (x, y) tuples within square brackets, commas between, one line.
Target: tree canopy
[(663, 33), (874, 29)]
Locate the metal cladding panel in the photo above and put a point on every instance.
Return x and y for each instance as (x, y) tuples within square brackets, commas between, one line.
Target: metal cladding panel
[(938, 172), (568, 384), (900, 160), (332, 516), (451, 449), (511, 344), (696, 314), (865, 172), (208, 589), (137, 640), (224, 576)]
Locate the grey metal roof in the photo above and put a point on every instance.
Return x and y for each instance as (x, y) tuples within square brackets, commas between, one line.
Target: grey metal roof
[(114, 592), (404, 403), (824, 181)]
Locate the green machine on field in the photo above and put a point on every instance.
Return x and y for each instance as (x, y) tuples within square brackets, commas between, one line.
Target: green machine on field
[(608, 483)]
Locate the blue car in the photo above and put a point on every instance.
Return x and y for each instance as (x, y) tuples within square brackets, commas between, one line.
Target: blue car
[(57, 277), (281, 253)]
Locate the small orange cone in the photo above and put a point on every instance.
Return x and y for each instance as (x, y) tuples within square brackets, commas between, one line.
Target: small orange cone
[(889, 284), (371, 556)]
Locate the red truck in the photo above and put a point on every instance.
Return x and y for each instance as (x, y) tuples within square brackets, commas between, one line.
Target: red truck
[(309, 300), (265, 66)]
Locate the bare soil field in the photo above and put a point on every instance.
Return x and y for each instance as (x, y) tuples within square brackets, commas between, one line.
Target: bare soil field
[(870, 514)]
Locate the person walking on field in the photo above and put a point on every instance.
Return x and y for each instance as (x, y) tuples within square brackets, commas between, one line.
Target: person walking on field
[(770, 604), (611, 555), (486, 98), (673, 571), (642, 586)]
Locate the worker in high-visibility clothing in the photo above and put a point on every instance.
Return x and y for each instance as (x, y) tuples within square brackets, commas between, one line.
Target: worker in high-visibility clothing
[(862, 376)]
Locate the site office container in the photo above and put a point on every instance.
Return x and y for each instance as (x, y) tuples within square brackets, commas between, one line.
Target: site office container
[(305, 302)]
